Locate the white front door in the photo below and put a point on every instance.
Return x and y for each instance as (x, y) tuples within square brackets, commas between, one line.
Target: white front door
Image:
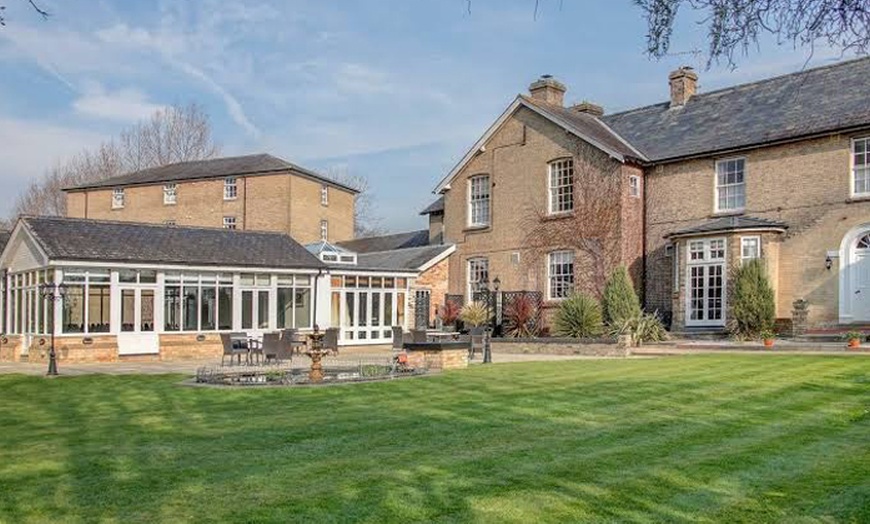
[(705, 282), (138, 335), (861, 285)]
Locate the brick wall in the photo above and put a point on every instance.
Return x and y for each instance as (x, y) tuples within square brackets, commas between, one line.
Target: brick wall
[(10, 348), (187, 347), (434, 279), (437, 360), (516, 158), (280, 202), (806, 185)]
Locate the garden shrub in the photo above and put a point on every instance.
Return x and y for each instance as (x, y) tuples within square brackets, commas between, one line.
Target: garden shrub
[(520, 317), (643, 327), (449, 313), (753, 309), (620, 302), (579, 316)]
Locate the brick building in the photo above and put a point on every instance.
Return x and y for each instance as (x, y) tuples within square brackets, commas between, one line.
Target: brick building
[(252, 192), (777, 169)]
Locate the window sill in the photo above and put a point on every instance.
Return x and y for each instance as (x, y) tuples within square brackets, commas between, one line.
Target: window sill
[(230, 199), (120, 208), (858, 198), (728, 213), (477, 229), (565, 215), (169, 203)]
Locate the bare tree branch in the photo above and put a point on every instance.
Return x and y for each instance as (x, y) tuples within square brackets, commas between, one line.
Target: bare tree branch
[(366, 223), (734, 26), (174, 134), (42, 12), (591, 230)]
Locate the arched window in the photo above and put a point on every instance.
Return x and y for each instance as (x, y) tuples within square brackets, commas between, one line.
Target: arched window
[(864, 242)]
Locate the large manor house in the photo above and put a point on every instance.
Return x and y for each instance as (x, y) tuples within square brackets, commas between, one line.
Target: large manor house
[(162, 261)]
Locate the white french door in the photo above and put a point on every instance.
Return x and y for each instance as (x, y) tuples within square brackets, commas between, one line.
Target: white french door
[(368, 315), (138, 335), (705, 282)]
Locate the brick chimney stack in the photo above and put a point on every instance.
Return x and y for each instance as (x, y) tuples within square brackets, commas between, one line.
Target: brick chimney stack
[(683, 82), (548, 90), (589, 108)]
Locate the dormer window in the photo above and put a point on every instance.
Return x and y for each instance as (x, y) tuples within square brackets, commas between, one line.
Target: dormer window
[(118, 198)]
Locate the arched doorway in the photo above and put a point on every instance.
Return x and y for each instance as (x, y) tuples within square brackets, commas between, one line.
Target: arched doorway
[(855, 275)]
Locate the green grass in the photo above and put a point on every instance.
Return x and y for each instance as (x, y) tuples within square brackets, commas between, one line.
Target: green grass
[(701, 438)]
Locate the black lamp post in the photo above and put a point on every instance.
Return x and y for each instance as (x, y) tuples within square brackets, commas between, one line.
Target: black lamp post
[(52, 293), (487, 331), (496, 285)]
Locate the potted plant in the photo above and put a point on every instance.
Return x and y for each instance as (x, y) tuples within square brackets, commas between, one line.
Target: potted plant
[(449, 313), (853, 338), (768, 336), (474, 315)]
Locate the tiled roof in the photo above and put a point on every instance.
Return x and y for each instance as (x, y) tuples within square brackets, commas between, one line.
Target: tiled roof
[(4, 239), (387, 242), (728, 224), (586, 125), (810, 102), (410, 259), (434, 207), (105, 241), (215, 168)]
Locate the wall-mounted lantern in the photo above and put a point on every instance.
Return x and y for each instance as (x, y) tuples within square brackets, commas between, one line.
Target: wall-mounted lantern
[(829, 262)]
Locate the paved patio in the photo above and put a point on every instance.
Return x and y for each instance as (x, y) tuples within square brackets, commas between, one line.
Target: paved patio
[(189, 367)]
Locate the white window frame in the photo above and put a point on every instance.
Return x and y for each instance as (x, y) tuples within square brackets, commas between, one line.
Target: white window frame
[(482, 199), (560, 186), (324, 230), (743, 243), (231, 188), (714, 251), (566, 279), (722, 164), (230, 222), (476, 267), (119, 198), (853, 167), (634, 186), (170, 194), (324, 195)]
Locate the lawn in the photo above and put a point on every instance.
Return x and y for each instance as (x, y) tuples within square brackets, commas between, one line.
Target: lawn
[(699, 438)]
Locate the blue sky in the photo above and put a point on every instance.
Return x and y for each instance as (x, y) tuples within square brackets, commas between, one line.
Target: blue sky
[(391, 90)]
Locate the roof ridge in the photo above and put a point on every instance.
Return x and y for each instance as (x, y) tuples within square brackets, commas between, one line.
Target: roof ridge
[(153, 225), (747, 84), (428, 246)]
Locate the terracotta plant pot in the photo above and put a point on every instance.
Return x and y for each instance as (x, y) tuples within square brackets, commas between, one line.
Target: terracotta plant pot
[(768, 342), (854, 342)]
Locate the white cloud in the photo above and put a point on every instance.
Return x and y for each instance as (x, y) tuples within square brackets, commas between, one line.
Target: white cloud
[(31, 147), (125, 105)]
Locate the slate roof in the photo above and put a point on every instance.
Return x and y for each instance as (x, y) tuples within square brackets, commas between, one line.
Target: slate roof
[(434, 207), (587, 125), (4, 239), (801, 104), (387, 242), (105, 241), (248, 165), (728, 224), (409, 259)]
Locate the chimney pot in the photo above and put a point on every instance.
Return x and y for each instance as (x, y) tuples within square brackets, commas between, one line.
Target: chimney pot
[(548, 90), (684, 84), (589, 108)]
